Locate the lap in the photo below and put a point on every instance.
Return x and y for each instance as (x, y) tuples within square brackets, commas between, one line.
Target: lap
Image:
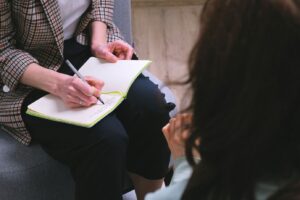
[(140, 117), (137, 121)]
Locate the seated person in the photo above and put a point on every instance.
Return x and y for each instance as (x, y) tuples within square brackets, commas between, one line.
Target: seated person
[(35, 39), (244, 74)]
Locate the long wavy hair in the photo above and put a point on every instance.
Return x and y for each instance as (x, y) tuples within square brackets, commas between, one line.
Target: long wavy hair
[(245, 77)]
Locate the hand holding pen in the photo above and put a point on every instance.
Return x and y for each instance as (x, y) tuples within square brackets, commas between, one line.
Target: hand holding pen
[(89, 81)]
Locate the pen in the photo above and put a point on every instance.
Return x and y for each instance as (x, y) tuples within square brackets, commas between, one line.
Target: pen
[(80, 76)]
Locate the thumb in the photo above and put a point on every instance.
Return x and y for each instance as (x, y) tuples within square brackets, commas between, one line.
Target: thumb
[(110, 57), (166, 130), (105, 54), (95, 91), (95, 82)]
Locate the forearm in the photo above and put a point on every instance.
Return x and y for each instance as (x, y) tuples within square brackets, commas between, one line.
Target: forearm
[(42, 78), (98, 34)]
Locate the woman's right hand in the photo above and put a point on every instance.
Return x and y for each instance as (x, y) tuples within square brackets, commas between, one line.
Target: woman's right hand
[(75, 93), (176, 132)]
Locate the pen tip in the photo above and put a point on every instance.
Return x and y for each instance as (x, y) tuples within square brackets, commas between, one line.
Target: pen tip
[(99, 99)]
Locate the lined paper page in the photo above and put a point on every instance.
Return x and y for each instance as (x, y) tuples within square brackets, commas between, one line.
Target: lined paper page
[(51, 107)]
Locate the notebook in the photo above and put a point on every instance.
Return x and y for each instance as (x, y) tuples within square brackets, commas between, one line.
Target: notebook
[(118, 78)]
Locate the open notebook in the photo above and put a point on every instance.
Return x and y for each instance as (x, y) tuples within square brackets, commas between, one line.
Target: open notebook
[(118, 77)]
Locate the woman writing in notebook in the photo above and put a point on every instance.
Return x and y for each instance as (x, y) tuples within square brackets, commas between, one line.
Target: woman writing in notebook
[(36, 37)]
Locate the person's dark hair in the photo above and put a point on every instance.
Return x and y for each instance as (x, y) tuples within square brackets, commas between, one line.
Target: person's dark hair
[(245, 77)]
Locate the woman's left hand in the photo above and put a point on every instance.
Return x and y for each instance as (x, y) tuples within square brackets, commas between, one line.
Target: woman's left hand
[(114, 51)]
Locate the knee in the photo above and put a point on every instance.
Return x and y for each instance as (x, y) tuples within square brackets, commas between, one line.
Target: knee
[(154, 103), (156, 109)]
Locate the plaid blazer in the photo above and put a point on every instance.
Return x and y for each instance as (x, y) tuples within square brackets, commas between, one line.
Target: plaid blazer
[(31, 31)]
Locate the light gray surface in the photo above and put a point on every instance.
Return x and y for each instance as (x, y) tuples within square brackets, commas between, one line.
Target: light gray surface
[(122, 18), (29, 173)]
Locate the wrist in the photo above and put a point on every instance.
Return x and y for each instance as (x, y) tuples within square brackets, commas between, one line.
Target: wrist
[(98, 35), (178, 155), (94, 47), (59, 79), (42, 78)]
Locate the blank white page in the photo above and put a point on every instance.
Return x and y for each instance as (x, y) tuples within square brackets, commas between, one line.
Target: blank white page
[(116, 76)]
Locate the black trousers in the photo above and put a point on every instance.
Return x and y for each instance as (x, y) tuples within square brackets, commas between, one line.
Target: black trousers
[(130, 138)]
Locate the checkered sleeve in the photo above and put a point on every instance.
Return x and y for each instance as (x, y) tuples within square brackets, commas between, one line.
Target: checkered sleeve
[(103, 10), (13, 62)]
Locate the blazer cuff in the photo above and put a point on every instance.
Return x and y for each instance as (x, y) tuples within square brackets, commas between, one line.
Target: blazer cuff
[(113, 33), (103, 12), (13, 67)]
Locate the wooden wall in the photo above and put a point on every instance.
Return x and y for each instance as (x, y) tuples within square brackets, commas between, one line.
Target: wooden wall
[(166, 2), (165, 32)]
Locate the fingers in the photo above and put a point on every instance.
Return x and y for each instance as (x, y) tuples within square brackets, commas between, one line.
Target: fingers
[(80, 94), (79, 98), (98, 84), (170, 132), (177, 132), (188, 117), (103, 52), (176, 146), (110, 57), (76, 93), (180, 126), (166, 129), (79, 85), (95, 84), (121, 49), (114, 51)]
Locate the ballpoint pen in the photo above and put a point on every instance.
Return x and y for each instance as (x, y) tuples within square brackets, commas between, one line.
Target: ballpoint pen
[(80, 76)]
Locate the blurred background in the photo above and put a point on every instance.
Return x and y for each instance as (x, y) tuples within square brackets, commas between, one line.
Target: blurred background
[(165, 31)]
